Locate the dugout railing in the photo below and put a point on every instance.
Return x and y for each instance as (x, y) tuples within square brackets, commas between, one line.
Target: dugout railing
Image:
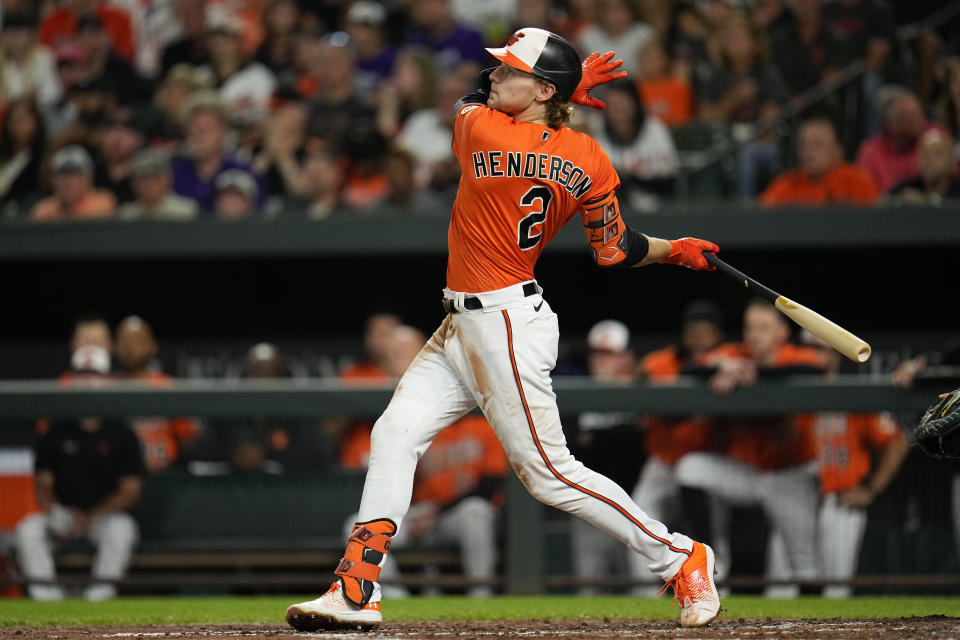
[(534, 537)]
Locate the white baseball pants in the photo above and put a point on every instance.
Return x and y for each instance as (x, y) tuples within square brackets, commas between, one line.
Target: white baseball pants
[(841, 533), (788, 496), (499, 358), (659, 493), (114, 534)]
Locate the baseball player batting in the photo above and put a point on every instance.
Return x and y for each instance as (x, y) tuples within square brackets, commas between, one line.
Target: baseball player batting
[(525, 174)]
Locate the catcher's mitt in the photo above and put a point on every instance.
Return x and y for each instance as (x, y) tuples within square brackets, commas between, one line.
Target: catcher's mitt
[(937, 433)]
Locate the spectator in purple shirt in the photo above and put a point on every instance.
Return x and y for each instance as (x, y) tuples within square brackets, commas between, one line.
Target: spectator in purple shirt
[(374, 56), (206, 156), (453, 43)]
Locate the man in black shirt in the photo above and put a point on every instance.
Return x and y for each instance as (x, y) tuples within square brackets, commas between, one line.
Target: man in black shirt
[(88, 472)]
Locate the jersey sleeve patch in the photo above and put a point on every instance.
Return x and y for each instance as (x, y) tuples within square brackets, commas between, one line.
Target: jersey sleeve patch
[(467, 109)]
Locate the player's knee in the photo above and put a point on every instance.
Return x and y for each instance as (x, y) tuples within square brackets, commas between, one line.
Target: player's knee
[(120, 530), (31, 527)]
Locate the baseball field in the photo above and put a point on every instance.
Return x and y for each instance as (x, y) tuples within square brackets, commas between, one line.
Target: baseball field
[(553, 617)]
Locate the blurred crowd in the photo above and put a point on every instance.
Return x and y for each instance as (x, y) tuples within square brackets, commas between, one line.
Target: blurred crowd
[(179, 109)]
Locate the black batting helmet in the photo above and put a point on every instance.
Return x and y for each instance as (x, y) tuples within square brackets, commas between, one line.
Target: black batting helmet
[(545, 55)]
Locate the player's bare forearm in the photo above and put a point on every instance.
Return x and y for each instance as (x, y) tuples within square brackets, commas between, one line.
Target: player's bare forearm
[(657, 250)]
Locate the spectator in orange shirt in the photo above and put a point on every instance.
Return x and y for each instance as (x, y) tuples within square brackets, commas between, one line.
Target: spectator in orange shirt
[(848, 481), (665, 95), (60, 24), (767, 462), (458, 487), (74, 196), (162, 439), (822, 176)]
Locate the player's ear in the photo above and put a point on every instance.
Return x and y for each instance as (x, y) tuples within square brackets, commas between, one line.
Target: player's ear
[(545, 91)]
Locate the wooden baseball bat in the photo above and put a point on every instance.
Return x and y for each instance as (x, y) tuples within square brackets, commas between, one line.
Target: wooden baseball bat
[(830, 332)]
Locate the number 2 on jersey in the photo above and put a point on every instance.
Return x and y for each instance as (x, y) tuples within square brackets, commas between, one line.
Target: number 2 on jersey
[(545, 196)]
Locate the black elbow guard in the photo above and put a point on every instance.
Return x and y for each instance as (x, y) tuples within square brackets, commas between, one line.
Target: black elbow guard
[(634, 246)]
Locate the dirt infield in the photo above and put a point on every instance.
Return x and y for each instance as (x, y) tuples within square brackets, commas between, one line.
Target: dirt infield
[(925, 628)]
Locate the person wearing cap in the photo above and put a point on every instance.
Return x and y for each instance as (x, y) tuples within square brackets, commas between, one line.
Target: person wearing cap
[(525, 174), (236, 194), (27, 67), (74, 196), (364, 24), (668, 439), (609, 442), (453, 43), (205, 156), (245, 85), (151, 181)]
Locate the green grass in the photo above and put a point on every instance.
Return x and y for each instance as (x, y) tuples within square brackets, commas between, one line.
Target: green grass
[(269, 610)]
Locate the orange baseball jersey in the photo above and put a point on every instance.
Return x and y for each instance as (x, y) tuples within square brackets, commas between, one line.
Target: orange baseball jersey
[(844, 443), (458, 459), (669, 440), (775, 443), (521, 183), (162, 438)]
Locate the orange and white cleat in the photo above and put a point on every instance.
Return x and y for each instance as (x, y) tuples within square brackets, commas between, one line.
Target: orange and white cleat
[(694, 590), (332, 611)]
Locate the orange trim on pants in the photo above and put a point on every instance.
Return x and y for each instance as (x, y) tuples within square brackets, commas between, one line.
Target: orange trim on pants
[(543, 455)]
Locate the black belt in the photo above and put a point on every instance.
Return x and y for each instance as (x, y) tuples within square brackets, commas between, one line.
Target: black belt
[(472, 303)]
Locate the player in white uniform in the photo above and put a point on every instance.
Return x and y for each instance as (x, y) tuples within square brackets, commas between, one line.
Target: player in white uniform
[(524, 176)]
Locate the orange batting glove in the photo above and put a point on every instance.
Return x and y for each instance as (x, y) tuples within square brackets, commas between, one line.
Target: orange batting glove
[(688, 252), (597, 70)]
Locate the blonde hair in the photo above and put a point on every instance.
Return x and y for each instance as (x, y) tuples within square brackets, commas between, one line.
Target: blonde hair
[(557, 110)]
